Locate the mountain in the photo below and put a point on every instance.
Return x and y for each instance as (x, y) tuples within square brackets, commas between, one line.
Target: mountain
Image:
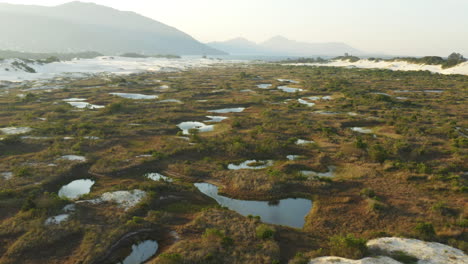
[(291, 47), (77, 26), (238, 46), (282, 46)]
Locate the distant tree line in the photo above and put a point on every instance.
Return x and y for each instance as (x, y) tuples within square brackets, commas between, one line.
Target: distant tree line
[(451, 61), (137, 55), (347, 57), (47, 57), (305, 60)]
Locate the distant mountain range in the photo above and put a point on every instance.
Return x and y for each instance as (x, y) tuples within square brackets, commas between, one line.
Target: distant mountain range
[(77, 27), (282, 46)]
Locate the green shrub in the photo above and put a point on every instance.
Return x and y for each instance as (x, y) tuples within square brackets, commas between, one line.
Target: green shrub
[(453, 60), (360, 144), (29, 97), (7, 193), (50, 59), (264, 231), (28, 204), (23, 171), (11, 139), (377, 153), (375, 206), (299, 258), (348, 246), (443, 209), (114, 108), (158, 155), (136, 220), (227, 241), (425, 230), (367, 192), (170, 258), (404, 258), (213, 232)]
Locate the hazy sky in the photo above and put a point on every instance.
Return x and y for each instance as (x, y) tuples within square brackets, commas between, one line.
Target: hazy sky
[(398, 27)]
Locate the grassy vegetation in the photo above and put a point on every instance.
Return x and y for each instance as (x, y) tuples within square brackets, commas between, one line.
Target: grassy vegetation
[(451, 61), (406, 178), (136, 55)]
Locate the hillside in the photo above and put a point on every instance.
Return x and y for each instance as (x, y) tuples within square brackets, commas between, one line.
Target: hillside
[(282, 46), (238, 46), (65, 28)]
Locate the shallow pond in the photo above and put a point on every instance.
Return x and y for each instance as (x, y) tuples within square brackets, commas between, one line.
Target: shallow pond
[(330, 173), (7, 175), (216, 119), (288, 89), (201, 127), (228, 110), (74, 100), (141, 252), (73, 158), (304, 102), (304, 142), (75, 189), (171, 101), (317, 98), (83, 105), (15, 130), (57, 219), (251, 165), (362, 130), (135, 96), (293, 157), (379, 93), (264, 86), (288, 212), (321, 112), (287, 80), (433, 91)]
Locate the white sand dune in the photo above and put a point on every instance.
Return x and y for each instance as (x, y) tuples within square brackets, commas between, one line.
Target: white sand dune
[(391, 65), (104, 64)]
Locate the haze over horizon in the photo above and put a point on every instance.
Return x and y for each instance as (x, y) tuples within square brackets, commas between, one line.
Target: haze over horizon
[(389, 27)]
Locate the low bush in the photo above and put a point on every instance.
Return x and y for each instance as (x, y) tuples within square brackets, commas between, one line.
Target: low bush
[(348, 246), (264, 231), (425, 230)]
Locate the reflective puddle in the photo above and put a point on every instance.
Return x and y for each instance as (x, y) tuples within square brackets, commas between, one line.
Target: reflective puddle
[(288, 212)]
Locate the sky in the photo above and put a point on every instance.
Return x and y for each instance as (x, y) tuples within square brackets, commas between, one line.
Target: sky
[(393, 27)]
